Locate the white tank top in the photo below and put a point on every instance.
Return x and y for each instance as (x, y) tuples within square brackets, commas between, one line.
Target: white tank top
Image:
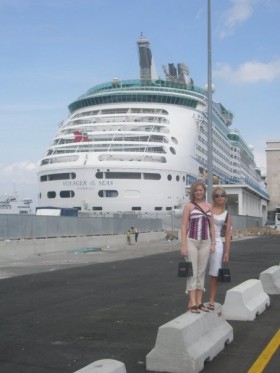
[(219, 221)]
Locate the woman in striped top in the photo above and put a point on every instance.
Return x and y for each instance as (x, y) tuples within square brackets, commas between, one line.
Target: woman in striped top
[(198, 240)]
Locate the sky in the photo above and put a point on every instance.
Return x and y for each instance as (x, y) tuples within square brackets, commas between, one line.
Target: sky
[(53, 51)]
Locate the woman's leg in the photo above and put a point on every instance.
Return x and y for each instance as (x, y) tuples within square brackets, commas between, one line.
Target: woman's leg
[(203, 257), (191, 299), (192, 280), (213, 290), (215, 263), (202, 261), (198, 296)]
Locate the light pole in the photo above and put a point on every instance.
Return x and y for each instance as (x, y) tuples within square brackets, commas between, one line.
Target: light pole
[(209, 91)]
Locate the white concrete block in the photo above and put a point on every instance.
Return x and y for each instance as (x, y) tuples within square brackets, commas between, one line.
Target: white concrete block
[(245, 301), (104, 366), (185, 343), (270, 279)]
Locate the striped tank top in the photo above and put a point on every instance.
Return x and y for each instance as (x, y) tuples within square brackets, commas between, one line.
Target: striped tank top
[(199, 225)]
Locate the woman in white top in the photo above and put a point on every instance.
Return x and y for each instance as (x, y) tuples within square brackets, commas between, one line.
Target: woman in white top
[(221, 253)]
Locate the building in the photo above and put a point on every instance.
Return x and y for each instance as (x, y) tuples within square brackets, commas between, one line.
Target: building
[(273, 176)]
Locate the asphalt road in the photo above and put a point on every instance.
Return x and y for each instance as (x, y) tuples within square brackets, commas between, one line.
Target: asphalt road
[(69, 316)]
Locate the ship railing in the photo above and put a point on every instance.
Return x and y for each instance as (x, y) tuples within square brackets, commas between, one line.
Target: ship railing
[(146, 85), (250, 183), (149, 138)]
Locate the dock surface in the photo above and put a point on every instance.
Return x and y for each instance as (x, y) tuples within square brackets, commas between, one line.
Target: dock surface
[(61, 312)]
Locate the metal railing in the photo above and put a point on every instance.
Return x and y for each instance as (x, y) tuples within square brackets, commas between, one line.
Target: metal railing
[(33, 226)]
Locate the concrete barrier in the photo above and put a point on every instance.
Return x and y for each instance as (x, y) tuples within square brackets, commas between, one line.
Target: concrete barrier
[(104, 366), (245, 301), (185, 343), (270, 279), (21, 249)]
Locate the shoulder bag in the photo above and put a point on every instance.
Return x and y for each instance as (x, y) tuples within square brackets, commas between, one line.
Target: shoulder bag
[(203, 212), (224, 227)]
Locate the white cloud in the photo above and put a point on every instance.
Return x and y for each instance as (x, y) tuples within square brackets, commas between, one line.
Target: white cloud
[(260, 159), (239, 13), (249, 72), (19, 178), (199, 14), (18, 173)]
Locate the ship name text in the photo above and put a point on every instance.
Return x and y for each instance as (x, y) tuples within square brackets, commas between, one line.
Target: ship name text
[(87, 183)]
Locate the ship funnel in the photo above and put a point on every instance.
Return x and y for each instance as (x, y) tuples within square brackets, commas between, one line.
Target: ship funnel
[(147, 66), (183, 74)]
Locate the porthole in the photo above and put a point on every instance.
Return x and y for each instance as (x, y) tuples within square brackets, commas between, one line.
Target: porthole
[(169, 177), (99, 175), (108, 193), (67, 194), (151, 176), (51, 194), (172, 150), (177, 178), (174, 140)]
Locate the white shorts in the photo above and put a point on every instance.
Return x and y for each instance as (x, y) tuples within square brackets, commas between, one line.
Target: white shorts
[(216, 258)]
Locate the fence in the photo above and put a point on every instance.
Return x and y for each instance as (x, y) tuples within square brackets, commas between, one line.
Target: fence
[(33, 226)]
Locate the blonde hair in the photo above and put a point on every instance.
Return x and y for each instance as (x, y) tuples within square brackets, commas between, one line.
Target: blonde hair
[(193, 188), (215, 190)]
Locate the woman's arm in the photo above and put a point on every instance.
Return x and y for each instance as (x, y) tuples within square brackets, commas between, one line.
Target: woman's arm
[(227, 239), (212, 231), (184, 229)]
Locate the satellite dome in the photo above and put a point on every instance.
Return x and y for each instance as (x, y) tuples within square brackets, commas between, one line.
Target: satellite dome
[(206, 88)]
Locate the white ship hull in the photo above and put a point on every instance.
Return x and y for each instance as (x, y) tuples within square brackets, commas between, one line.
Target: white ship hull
[(153, 186)]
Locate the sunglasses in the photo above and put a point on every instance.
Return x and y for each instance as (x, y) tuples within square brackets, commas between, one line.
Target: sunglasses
[(219, 195)]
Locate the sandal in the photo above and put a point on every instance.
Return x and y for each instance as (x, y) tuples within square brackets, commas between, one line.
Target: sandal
[(211, 307), (194, 309), (203, 308)]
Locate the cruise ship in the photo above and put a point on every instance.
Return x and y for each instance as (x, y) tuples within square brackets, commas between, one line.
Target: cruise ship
[(10, 204), (134, 146)]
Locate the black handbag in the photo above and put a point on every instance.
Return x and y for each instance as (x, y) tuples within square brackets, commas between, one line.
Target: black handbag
[(224, 227), (185, 269), (224, 275)]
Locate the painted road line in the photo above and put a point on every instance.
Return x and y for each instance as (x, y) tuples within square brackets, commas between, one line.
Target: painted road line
[(266, 355)]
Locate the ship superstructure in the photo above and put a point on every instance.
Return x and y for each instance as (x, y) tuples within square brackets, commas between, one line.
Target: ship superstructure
[(10, 204), (134, 145)]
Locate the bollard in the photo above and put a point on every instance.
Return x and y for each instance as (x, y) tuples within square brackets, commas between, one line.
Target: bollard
[(245, 301), (104, 366), (270, 279), (185, 343)]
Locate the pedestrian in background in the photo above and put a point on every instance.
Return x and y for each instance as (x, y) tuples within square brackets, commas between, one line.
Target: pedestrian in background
[(128, 237), (135, 231)]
